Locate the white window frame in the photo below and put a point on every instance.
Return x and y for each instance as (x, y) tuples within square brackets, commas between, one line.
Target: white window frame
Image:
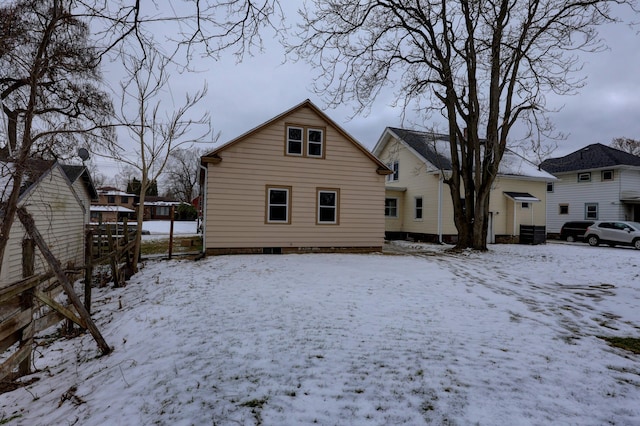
[(560, 206), (550, 187), (604, 179), (287, 204), (335, 207), (395, 167), (417, 209), (301, 141), (586, 211), (584, 177), (396, 208), (310, 142)]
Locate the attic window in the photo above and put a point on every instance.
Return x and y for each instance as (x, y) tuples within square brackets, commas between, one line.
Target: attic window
[(607, 175), (304, 141), (584, 177), (294, 140)]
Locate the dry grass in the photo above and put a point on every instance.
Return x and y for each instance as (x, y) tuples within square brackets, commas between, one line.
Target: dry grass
[(180, 245)]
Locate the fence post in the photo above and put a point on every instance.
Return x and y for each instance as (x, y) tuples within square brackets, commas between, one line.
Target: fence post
[(171, 216), (26, 302), (88, 271), (113, 257)]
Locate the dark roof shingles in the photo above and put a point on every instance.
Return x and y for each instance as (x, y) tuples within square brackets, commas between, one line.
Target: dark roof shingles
[(595, 156)]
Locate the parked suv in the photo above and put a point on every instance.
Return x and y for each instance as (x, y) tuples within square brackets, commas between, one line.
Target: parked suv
[(574, 231), (614, 233)]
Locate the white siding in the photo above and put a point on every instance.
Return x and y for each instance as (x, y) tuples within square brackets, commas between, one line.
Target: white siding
[(567, 190), (58, 216)]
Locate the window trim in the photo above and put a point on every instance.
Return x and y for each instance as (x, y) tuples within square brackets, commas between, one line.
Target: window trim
[(304, 149), (586, 211), (336, 208), (395, 168), (560, 206), (288, 140), (268, 189), (585, 174), (309, 142), (397, 208), (416, 208), (607, 171), (525, 205), (552, 186)]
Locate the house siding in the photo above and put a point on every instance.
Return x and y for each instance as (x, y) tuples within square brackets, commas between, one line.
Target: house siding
[(417, 180), (236, 192), (58, 216), (568, 191)]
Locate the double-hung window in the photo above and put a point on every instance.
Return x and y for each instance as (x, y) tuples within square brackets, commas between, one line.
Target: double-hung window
[(278, 205), (314, 142), (294, 140), (591, 211), (391, 207), (418, 208), (328, 206), (305, 141), (395, 167)]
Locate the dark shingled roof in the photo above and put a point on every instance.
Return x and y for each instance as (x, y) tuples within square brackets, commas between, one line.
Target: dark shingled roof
[(595, 156), (74, 172), (422, 143)]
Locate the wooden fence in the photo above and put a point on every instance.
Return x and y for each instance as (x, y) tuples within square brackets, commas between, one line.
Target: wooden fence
[(33, 304)]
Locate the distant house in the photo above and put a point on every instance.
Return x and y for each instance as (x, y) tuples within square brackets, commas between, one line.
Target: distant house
[(296, 183), (58, 212), (159, 208), (596, 182), (113, 205), (418, 202)]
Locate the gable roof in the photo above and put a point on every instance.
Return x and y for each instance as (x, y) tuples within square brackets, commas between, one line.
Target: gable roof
[(433, 148), (214, 156), (594, 156), (35, 170), (74, 173)]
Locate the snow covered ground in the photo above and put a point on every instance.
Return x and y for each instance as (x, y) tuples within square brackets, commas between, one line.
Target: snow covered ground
[(159, 229), (508, 337)]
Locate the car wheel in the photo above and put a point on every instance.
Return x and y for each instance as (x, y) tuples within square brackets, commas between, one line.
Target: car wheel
[(570, 238), (636, 243), (593, 240)]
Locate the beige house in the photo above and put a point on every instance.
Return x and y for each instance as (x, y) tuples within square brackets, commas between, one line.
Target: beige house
[(57, 210), (418, 202), (296, 183)]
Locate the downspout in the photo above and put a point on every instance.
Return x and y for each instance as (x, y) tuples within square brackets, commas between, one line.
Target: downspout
[(515, 209), (203, 201), (440, 182)]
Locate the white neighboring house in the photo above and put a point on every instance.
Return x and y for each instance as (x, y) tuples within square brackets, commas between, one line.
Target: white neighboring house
[(57, 210), (596, 182)]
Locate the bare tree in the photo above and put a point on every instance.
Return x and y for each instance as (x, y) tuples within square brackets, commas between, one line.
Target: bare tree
[(632, 146), (156, 126), (48, 91), (484, 66), (181, 174)]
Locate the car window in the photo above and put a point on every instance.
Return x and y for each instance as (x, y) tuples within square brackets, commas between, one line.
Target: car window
[(605, 225)]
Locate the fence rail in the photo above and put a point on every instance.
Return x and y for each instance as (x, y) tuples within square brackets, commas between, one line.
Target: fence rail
[(33, 304)]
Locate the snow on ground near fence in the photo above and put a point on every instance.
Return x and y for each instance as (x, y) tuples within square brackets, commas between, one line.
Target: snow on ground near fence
[(501, 338), (160, 228)]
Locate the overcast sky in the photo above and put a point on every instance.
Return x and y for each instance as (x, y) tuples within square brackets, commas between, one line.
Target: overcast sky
[(244, 95)]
